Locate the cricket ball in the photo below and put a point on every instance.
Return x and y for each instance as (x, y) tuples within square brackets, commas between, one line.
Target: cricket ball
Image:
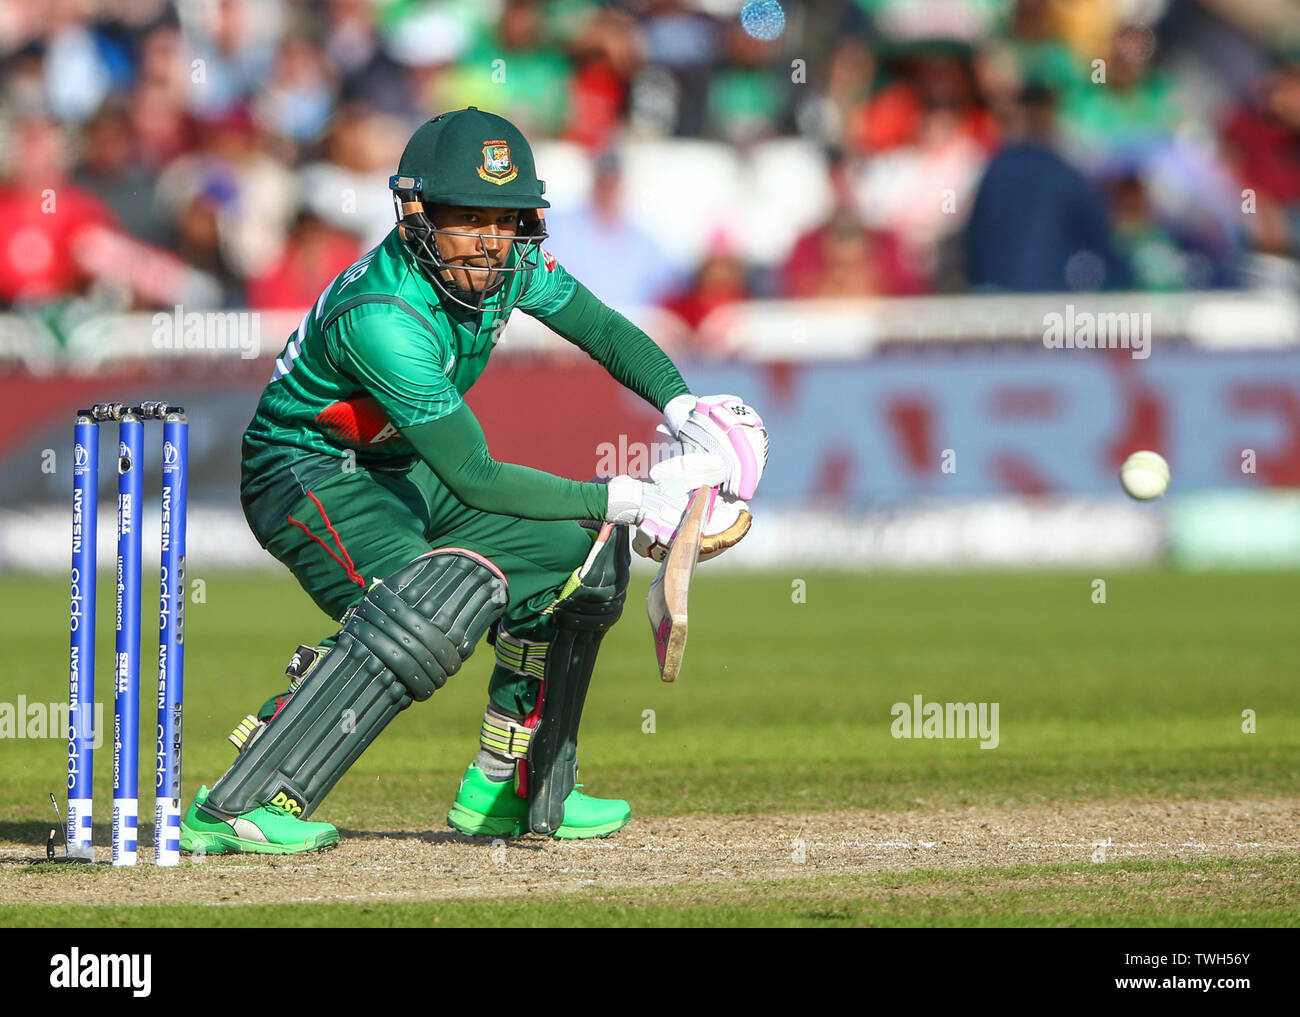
[(1145, 475)]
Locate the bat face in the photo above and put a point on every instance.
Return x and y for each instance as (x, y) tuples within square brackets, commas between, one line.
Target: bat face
[(666, 602)]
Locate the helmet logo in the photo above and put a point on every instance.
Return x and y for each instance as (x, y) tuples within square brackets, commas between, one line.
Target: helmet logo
[(497, 167)]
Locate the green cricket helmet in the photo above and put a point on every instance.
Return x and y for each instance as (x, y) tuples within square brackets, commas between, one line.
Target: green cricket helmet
[(475, 160)]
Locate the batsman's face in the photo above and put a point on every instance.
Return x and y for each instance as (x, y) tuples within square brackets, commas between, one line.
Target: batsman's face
[(474, 238)]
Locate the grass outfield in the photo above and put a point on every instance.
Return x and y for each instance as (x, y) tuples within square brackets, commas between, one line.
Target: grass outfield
[(782, 706)]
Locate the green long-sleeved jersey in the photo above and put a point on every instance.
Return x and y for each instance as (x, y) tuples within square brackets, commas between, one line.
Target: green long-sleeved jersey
[(375, 374)]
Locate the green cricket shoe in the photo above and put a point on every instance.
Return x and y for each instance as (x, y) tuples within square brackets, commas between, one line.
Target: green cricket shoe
[(268, 830), (486, 808)]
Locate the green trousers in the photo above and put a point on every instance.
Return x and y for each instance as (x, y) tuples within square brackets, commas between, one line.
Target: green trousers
[(360, 526)]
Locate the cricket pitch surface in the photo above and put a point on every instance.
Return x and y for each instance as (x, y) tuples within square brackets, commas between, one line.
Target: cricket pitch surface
[(845, 857)]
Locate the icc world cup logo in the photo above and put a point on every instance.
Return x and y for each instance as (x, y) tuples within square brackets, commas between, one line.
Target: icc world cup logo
[(170, 455), (79, 455)]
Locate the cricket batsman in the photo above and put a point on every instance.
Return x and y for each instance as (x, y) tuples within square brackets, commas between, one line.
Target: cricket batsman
[(367, 475)]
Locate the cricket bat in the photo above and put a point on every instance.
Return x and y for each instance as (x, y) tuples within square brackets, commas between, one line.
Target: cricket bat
[(667, 600)]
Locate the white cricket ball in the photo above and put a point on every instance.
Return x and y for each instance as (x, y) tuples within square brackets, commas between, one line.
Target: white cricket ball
[(1145, 475)]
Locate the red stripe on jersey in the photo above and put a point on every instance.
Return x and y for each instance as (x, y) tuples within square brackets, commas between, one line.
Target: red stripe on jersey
[(356, 421)]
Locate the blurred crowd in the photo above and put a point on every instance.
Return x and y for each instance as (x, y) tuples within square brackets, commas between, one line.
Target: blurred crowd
[(236, 152)]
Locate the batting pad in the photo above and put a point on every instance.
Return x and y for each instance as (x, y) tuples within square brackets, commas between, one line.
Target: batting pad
[(403, 641), (582, 618)]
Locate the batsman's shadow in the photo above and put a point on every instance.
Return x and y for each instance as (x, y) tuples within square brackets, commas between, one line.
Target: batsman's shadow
[(528, 843), (34, 831)]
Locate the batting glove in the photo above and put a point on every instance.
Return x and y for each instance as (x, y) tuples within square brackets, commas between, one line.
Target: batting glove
[(726, 426), (632, 500)]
